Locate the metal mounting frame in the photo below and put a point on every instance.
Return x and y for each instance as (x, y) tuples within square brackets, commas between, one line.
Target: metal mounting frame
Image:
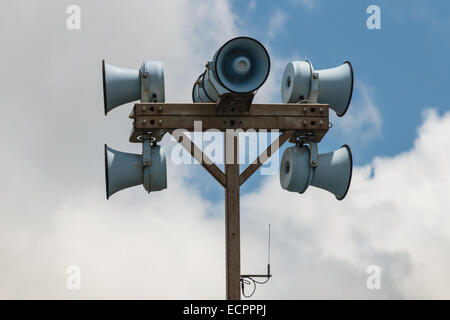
[(147, 160), (144, 77), (310, 120), (314, 91)]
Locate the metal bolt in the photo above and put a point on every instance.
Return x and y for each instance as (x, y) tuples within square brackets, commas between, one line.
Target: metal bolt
[(321, 123), (144, 121), (321, 110), (304, 122), (314, 162), (160, 109), (144, 109), (159, 121), (315, 75), (304, 110), (147, 161), (144, 75)]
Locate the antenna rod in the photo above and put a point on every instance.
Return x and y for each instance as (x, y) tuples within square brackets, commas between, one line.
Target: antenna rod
[(268, 256)]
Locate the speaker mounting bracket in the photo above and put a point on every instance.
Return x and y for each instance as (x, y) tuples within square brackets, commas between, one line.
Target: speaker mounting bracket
[(210, 66), (235, 102), (300, 141), (147, 159), (146, 151), (145, 86), (152, 89), (314, 91), (314, 154)]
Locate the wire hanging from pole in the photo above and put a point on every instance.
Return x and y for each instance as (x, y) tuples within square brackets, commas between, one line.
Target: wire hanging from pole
[(249, 279)]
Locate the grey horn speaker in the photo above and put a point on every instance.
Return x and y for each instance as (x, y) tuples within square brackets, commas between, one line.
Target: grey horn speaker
[(335, 85), (124, 170), (333, 171), (122, 85), (241, 65)]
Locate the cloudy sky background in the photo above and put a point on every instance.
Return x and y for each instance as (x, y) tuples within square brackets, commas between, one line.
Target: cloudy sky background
[(170, 244)]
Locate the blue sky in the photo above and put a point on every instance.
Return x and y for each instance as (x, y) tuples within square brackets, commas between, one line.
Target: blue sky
[(407, 63), (404, 67)]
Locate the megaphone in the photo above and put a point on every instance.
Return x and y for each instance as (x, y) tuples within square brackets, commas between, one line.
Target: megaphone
[(241, 65), (124, 170), (335, 85), (301, 167), (122, 85)]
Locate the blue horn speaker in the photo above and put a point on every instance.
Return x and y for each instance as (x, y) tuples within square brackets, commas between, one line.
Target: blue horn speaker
[(301, 167), (124, 170), (335, 85), (241, 65), (122, 85)]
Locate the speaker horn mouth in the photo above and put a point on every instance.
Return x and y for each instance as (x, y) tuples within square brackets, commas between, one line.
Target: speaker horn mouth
[(106, 172), (351, 90), (243, 38), (104, 85), (351, 171)]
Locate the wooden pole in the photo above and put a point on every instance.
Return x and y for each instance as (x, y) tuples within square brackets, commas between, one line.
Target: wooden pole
[(232, 219)]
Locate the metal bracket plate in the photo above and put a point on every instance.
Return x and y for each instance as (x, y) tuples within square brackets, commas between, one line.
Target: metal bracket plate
[(314, 154), (146, 161), (314, 92), (235, 102), (145, 86)]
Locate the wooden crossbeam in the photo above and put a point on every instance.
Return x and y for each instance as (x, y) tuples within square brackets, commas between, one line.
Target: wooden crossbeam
[(263, 157), (201, 158), (222, 123), (305, 119), (211, 109)]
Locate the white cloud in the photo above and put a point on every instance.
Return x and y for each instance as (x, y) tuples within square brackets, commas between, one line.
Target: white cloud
[(309, 4), (276, 23), (397, 219), (53, 211), (252, 5)]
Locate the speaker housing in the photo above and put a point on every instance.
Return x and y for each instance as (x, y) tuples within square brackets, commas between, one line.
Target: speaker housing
[(241, 65), (198, 93), (152, 81), (124, 170), (333, 171), (335, 84)]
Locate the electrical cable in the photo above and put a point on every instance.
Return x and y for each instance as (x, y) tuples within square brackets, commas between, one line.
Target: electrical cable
[(250, 281)]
